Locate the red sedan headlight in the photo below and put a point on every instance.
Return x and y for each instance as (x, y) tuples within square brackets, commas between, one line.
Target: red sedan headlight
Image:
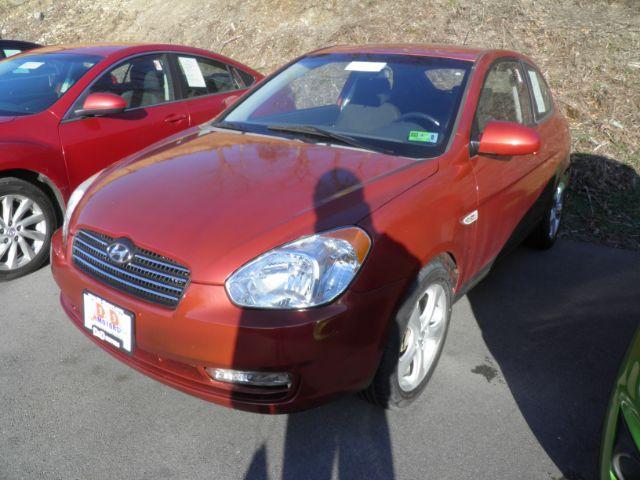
[(311, 271)]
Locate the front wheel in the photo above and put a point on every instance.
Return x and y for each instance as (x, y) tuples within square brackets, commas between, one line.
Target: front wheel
[(27, 220), (415, 341)]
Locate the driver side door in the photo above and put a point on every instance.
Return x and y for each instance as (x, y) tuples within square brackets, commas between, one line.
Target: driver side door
[(146, 83), (504, 190)]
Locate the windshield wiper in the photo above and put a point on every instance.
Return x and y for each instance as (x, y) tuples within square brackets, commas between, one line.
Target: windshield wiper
[(229, 126), (312, 130)]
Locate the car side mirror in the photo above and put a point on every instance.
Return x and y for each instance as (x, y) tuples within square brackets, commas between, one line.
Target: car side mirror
[(507, 139), (99, 104)]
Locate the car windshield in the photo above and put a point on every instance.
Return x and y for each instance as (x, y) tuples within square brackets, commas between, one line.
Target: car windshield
[(398, 104), (32, 83)]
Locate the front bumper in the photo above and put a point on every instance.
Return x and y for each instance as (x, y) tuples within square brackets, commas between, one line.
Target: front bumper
[(328, 350)]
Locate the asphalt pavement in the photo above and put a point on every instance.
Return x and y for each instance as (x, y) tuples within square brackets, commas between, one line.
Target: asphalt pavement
[(520, 392)]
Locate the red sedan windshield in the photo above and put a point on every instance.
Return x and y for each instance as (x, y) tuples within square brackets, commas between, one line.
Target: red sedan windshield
[(398, 104), (32, 83)]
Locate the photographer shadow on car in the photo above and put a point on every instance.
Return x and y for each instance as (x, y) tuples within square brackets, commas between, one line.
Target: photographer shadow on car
[(348, 437)]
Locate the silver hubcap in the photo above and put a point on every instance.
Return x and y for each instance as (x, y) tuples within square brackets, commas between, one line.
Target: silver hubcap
[(556, 211), (23, 230), (422, 338)]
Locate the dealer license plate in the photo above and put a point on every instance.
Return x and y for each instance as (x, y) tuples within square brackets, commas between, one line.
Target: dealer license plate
[(108, 322)]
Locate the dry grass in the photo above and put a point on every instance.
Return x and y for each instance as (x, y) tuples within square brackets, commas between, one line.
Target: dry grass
[(588, 49)]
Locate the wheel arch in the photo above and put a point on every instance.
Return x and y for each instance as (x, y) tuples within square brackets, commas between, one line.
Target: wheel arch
[(449, 260), (45, 184), (448, 256)]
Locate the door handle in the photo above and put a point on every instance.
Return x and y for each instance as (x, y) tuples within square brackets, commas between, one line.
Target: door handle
[(175, 118)]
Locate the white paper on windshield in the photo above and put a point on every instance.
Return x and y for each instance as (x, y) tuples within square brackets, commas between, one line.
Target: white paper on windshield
[(537, 93), (31, 65), (192, 71), (365, 66)]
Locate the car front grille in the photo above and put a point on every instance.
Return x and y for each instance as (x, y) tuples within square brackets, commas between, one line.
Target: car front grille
[(147, 275)]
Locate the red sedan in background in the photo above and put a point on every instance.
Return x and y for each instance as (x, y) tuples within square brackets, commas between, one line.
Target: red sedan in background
[(67, 112), (312, 240)]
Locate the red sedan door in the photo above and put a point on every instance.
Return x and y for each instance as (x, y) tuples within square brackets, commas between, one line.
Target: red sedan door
[(146, 83), (209, 86), (507, 186)]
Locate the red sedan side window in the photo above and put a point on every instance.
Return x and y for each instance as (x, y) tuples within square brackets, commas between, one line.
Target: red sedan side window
[(504, 96), (204, 76), (142, 81)]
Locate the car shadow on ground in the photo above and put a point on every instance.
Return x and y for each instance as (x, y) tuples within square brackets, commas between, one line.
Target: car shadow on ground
[(558, 324)]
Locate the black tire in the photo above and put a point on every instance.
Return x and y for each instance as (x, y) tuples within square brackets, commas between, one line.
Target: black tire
[(16, 186), (385, 390), (543, 236)]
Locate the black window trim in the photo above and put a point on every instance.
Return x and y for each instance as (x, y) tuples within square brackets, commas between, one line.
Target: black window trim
[(549, 113), (229, 68)]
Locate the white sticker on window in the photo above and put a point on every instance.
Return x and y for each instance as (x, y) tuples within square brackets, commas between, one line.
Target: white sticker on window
[(158, 65), (31, 65), (537, 92), (365, 66), (192, 72)]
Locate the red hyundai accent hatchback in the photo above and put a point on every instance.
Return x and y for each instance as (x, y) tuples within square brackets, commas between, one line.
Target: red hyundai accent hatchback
[(68, 112), (312, 240)]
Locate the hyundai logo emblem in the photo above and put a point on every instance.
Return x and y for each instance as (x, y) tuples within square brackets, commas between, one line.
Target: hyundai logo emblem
[(120, 252)]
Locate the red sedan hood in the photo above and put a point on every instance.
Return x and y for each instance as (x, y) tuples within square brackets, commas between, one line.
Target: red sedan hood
[(214, 200)]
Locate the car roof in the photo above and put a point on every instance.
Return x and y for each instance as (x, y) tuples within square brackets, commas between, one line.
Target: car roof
[(101, 49), (108, 49), (425, 50)]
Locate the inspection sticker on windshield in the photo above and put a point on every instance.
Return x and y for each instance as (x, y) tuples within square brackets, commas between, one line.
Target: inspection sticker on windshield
[(365, 66), (420, 136)]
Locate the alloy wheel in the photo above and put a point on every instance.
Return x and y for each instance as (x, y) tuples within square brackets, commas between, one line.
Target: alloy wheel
[(23, 231), (555, 213), (423, 337)]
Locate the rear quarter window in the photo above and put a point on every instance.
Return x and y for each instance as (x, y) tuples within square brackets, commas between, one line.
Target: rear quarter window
[(246, 79), (542, 100)]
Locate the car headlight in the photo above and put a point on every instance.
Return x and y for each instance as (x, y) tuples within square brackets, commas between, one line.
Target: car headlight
[(73, 202), (311, 271)]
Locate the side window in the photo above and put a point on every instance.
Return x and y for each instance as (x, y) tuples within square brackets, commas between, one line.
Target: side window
[(204, 76), (540, 90), (504, 97), (142, 81)]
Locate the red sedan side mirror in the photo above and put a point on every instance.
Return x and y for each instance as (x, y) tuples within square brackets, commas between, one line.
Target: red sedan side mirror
[(507, 138), (97, 104)]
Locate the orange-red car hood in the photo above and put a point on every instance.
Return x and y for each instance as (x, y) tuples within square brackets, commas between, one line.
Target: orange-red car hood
[(213, 200)]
